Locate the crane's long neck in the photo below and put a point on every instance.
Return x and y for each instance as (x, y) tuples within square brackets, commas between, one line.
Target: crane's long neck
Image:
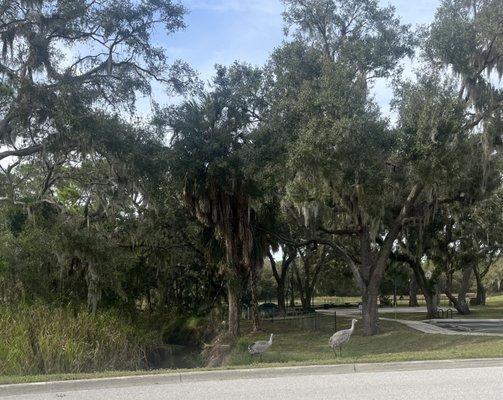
[(352, 326), (270, 339)]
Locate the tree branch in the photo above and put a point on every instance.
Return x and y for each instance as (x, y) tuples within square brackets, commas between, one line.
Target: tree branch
[(21, 152)]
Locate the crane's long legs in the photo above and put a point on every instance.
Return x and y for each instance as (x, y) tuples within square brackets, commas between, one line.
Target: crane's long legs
[(340, 351)]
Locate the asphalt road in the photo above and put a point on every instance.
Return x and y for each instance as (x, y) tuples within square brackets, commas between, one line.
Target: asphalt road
[(481, 383)]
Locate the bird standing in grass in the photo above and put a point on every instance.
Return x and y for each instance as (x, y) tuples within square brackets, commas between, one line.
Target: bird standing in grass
[(260, 347), (340, 338)]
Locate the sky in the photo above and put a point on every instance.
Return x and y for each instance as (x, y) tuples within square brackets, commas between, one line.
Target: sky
[(223, 31)]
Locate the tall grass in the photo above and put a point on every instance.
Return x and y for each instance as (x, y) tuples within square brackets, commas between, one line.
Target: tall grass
[(43, 340)]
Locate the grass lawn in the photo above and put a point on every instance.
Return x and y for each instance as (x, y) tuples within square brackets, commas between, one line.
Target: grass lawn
[(493, 309), (293, 346), (396, 342)]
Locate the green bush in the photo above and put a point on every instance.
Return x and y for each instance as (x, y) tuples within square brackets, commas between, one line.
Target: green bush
[(43, 340), (186, 331)]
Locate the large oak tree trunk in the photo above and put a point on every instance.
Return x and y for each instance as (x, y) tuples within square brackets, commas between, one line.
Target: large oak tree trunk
[(480, 299), (280, 278), (306, 300), (459, 303), (431, 305), (427, 288), (370, 283), (368, 272), (312, 265), (465, 285), (292, 291), (413, 287), (234, 301), (280, 294), (373, 263), (370, 312), (303, 292)]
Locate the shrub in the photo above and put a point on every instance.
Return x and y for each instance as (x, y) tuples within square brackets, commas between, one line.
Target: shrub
[(43, 340)]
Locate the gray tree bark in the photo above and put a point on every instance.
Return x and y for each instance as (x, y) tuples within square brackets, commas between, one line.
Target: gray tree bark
[(480, 299), (93, 289), (370, 311), (253, 283), (280, 277), (460, 303), (413, 288), (234, 302)]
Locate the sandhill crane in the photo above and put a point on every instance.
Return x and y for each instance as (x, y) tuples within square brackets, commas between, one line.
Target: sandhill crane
[(260, 347), (341, 337)]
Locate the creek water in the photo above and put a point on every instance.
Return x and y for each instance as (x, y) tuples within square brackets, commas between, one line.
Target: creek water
[(175, 357)]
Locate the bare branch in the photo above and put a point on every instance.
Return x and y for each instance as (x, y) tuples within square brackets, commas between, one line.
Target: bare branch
[(27, 151)]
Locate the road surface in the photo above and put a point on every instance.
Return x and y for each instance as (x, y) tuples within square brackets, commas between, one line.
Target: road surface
[(441, 381)]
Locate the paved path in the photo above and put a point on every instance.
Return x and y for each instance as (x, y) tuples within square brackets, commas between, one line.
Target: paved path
[(431, 328), (460, 380), (417, 325), (384, 310)]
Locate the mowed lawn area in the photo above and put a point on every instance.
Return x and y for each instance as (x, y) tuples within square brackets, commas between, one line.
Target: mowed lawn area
[(396, 342)]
